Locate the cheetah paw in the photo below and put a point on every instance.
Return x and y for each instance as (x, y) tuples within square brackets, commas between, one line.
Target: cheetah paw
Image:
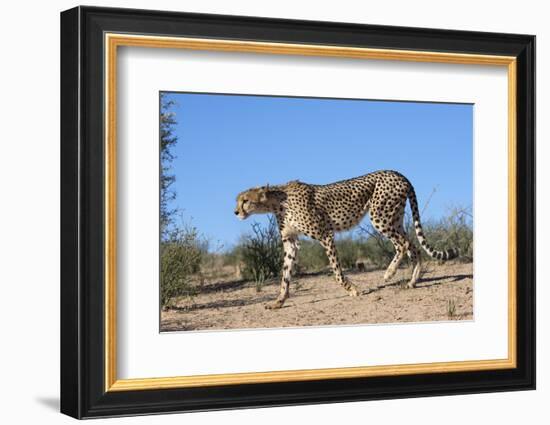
[(353, 292), (274, 305)]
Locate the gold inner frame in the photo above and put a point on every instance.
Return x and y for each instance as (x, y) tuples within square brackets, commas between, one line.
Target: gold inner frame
[(113, 41)]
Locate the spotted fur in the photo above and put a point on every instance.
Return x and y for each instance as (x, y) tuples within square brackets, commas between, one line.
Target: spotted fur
[(320, 211)]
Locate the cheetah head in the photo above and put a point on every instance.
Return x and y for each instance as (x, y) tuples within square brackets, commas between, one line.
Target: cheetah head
[(252, 201)]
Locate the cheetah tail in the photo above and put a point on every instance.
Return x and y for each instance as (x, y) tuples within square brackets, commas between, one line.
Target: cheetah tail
[(445, 255)]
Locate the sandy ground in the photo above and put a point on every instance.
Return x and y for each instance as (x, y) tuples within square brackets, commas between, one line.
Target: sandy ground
[(445, 292)]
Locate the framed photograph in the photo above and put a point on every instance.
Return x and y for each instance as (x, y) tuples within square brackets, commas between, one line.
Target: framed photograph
[(261, 212)]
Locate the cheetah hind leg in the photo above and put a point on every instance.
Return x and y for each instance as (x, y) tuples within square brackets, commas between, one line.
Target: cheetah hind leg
[(414, 257), (398, 257)]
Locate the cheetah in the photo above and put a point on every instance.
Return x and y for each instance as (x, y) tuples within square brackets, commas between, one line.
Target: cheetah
[(320, 211)]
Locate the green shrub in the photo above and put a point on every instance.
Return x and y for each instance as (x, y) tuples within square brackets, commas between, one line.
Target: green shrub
[(232, 257), (261, 251), (377, 249), (455, 230), (181, 254), (349, 249), (259, 281), (311, 256), (452, 231)]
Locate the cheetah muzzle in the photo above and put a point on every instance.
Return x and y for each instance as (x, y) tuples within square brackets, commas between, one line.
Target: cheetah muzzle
[(320, 211)]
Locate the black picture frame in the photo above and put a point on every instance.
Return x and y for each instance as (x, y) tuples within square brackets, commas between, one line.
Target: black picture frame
[(83, 392)]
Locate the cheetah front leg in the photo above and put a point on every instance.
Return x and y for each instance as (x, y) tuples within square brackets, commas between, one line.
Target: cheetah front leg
[(290, 248), (330, 249)]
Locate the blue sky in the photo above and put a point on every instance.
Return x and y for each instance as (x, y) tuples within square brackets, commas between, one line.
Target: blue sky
[(229, 143)]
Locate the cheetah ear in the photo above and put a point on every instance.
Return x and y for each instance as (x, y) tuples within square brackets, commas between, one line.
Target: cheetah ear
[(271, 194), (264, 194)]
